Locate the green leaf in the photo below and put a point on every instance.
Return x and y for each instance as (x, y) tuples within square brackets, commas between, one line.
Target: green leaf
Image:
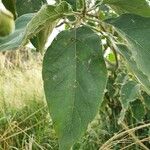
[(74, 75), (14, 40), (139, 7), (27, 26), (76, 4), (138, 110), (28, 6), (130, 91), (135, 30), (146, 99), (47, 15), (40, 39), (72, 3)]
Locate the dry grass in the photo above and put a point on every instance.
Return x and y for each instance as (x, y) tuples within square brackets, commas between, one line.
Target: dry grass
[(25, 123), (20, 84), (127, 137)]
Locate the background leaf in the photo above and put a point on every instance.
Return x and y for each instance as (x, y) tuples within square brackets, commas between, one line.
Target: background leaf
[(28, 6), (146, 99), (29, 25), (130, 91), (40, 39), (135, 30), (138, 110), (74, 75), (14, 40), (47, 16), (139, 7), (72, 3)]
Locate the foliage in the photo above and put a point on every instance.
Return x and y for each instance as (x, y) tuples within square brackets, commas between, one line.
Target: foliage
[(70, 83), (98, 62)]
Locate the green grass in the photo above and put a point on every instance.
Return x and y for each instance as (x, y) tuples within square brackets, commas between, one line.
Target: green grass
[(27, 128)]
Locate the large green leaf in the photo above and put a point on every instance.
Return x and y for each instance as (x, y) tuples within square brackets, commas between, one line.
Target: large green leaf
[(47, 15), (139, 7), (14, 40), (74, 75), (136, 49)]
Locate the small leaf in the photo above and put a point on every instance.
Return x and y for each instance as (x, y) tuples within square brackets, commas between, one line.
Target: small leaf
[(74, 75), (72, 3), (76, 4), (40, 39), (139, 7), (138, 110), (146, 98), (130, 91), (47, 15)]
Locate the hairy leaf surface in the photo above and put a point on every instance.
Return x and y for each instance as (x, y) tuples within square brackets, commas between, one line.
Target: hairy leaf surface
[(41, 38), (14, 40), (74, 75), (29, 25), (47, 15)]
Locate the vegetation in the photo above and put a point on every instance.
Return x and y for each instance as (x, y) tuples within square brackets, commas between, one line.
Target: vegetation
[(95, 75)]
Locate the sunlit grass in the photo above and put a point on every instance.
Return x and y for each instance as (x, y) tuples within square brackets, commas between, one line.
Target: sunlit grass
[(19, 85), (24, 119)]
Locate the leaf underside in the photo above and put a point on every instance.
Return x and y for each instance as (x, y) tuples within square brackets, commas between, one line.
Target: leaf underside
[(14, 40)]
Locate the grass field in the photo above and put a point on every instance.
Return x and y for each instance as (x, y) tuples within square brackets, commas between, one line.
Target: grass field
[(25, 123), (24, 119)]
